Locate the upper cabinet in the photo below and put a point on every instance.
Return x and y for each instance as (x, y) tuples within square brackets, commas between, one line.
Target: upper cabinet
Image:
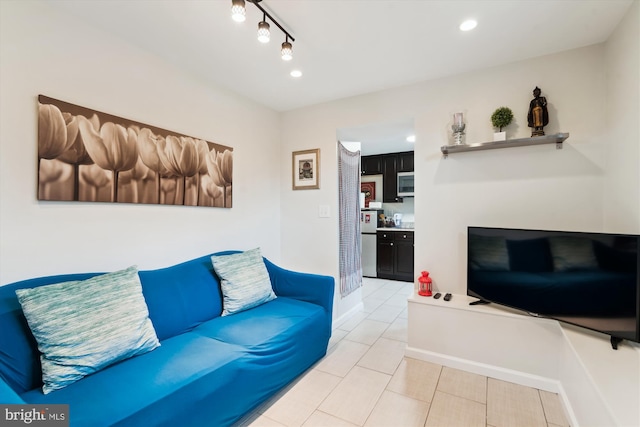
[(405, 161), (388, 165), (371, 165), (390, 179)]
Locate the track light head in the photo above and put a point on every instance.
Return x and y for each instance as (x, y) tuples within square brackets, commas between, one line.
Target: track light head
[(238, 12), (263, 31), (286, 51)]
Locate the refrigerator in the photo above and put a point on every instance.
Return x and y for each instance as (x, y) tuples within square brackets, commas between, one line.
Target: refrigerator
[(368, 226)]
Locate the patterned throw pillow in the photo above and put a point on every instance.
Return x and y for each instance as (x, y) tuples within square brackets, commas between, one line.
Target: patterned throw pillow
[(84, 326), (572, 253), (244, 280)]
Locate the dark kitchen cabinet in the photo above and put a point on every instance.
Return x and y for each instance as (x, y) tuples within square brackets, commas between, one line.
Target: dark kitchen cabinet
[(388, 165), (405, 162), (371, 165), (390, 179), (395, 255), (403, 260), (384, 254)]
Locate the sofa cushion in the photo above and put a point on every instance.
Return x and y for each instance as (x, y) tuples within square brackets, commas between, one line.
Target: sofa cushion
[(166, 387), (244, 280), (182, 296), (280, 320), (84, 326), (282, 338)]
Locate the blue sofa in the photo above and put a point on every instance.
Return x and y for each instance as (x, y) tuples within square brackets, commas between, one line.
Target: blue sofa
[(209, 370)]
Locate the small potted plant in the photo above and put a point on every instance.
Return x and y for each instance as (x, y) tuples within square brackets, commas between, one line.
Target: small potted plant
[(500, 118)]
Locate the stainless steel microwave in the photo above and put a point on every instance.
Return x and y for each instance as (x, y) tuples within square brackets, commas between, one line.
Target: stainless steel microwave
[(405, 184)]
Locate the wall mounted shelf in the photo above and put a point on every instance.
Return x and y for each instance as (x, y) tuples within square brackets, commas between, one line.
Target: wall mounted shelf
[(557, 138)]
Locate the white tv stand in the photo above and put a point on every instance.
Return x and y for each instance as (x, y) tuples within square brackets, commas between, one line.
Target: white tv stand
[(501, 343)]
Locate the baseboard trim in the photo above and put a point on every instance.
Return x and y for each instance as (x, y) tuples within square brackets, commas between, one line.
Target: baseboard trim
[(337, 322), (497, 372), (510, 375)]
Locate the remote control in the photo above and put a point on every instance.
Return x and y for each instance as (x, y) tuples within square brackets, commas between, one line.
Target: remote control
[(437, 295), (447, 297)]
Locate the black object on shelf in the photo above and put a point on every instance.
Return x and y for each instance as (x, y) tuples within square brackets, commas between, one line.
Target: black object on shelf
[(447, 297), (437, 295), (479, 302)]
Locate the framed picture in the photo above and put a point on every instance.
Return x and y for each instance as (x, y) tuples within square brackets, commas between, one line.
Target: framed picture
[(86, 155), (306, 169)]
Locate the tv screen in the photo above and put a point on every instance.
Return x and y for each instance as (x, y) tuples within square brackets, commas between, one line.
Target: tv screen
[(585, 279)]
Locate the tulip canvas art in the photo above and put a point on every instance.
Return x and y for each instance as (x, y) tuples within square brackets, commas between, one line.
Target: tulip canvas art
[(87, 155)]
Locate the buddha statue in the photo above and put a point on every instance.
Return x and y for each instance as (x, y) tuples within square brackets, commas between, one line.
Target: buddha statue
[(538, 116)]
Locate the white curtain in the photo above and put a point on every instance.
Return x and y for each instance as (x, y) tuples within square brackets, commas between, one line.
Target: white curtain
[(349, 208)]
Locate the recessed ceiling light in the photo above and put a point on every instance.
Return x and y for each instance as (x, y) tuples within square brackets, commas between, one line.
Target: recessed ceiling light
[(411, 138), (295, 73), (468, 25)]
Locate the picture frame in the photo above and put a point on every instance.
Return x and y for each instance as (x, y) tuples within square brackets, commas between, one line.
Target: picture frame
[(86, 155), (306, 169)]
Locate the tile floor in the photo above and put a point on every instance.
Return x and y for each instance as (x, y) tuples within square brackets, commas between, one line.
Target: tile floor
[(365, 380)]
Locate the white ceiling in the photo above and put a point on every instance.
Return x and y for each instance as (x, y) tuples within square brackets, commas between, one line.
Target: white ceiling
[(347, 47)]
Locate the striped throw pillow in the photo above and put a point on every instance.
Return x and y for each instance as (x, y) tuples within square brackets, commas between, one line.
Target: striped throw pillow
[(244, 280), (84, 326)]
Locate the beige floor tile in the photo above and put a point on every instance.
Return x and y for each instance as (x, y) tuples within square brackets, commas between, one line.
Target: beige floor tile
[(342, 358), (262, 421), (336, 336), (397, 330), (404, 314), (353, 321), (395, 285), (371, 304), (510, 404), (369, 286), (463, 384), (321, 419), (384, 356), (385, 292), (553, 409), (453, 411), (416, 379), (385, 313), (355, 397), (399, 299), (302, 399), (394, 409), (367, 332)]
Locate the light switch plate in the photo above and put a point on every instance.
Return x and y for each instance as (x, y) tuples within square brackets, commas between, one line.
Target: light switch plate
[(323, 211)]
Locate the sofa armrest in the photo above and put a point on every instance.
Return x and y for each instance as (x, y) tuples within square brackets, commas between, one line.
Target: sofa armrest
[(314, 288), (7, 395)]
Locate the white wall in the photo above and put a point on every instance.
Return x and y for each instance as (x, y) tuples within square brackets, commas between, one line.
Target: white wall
[(622, 178), (592, 184), (43, 51), (530, 187)]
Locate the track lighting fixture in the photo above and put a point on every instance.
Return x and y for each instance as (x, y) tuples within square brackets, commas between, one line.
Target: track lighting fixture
[(238, 13)]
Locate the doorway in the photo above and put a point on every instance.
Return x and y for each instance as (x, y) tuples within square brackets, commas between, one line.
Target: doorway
[(382, 143)]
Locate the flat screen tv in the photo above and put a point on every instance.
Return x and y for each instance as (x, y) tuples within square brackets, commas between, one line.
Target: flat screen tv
[(590, 280)]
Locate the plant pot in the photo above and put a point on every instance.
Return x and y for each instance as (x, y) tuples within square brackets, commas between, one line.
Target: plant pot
[(500, 136)]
